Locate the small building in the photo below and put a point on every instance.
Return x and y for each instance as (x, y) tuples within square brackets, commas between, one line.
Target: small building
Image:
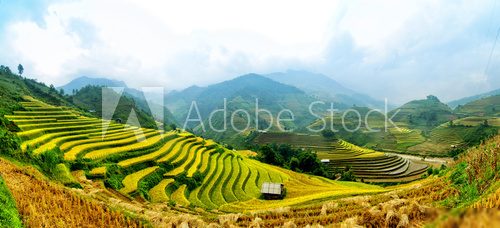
[(273, 190), (325, 161)]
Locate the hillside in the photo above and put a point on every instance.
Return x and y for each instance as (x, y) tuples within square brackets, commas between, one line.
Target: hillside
[(325, 88), (487, 106), (13, 87), (9, 216), (450, 197), (242, 93), (161, 166), (465, 100), (164, 176), (426, 113), (367, 165), (132, 95), (89, 98)]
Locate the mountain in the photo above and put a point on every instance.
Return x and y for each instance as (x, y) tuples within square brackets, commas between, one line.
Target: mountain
[(462, 101), (423, 113), (78, 83), (14, 87), (90, 98), (325, 88), (138, 97), (242, 93), (487, 106)]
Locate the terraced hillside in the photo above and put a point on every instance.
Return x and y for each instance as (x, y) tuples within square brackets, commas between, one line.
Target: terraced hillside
[(442, 200), (164, 166), (367, 164), (488, 106)]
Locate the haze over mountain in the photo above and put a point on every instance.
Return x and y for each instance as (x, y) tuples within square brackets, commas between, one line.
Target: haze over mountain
[(242, 94), (80, 82), (325, 88), (241, 91), (462, 101)]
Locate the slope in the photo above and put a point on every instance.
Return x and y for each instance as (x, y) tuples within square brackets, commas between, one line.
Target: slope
[(242, 93), (487, 106), (325, 88), (425, 114), (465, 100), (222, 177)]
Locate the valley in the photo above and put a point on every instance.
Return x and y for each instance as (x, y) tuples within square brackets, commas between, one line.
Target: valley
[(153, 175)]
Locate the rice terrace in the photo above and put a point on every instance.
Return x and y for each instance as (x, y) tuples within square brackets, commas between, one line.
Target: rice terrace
[(249, 114)]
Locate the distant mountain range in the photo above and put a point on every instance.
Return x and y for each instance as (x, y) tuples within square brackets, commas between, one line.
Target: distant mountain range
[(294, 90), (241, 93), (325, 88), (462, 101), (139, 98), (486, 106), (80, 82)]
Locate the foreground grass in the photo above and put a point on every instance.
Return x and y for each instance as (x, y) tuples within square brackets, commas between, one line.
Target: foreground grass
[(45, 204), (9, 216)]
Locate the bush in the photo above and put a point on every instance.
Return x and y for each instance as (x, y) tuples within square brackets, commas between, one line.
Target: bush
[(149, 182), (115, 177), (9, 216), (287, 157)]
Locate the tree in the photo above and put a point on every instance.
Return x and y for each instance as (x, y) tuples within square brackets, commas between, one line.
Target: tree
[(20, 69), (295, 164), (327, 133), (269, 156)]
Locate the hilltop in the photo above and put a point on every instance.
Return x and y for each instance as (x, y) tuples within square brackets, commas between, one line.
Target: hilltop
[(423, 113)]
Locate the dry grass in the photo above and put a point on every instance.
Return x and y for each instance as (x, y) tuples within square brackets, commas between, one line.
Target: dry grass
[(43, 204)]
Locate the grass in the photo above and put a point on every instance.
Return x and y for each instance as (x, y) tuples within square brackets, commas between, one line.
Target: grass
[(175, 151), (209, 181), (231, 179), (130, 182), (214, 178), (187, 162), (179, 196), (151, 156), (109, 147), (9, 216), (99, 171), (158, 193), (34, 142), (201, 159)]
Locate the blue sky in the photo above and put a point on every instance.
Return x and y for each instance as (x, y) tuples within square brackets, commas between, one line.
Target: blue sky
[(401, 50)]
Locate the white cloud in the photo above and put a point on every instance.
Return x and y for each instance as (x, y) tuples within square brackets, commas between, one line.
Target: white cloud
[(384, 49)]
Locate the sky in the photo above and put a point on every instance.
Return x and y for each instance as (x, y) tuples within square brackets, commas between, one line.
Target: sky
[(399, 50)]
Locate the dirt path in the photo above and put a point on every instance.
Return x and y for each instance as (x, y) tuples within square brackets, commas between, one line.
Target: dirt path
[(432, 161)]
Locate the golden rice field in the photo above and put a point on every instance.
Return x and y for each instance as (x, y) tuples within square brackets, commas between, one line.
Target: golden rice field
[(367, 164), (229, 181)]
